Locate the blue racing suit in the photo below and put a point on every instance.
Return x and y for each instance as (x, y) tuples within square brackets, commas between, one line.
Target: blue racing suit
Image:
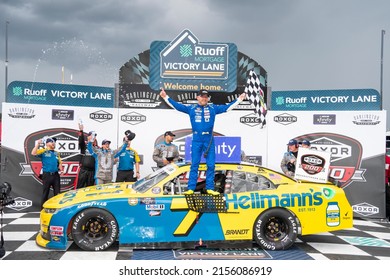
[(202, 123)]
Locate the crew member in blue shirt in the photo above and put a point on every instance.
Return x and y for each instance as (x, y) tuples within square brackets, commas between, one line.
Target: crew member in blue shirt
[(127, 159), (202, 117), (51, 166)]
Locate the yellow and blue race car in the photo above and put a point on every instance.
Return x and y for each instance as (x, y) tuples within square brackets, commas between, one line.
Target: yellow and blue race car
[(256, 203)]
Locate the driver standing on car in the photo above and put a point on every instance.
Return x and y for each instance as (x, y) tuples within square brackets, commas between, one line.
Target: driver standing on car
[(202, 116)]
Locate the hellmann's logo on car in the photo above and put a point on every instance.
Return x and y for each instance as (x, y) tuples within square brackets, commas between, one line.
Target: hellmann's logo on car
[(255, 200)]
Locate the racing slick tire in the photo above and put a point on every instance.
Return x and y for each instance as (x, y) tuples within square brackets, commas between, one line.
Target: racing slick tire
[(94, 229), (275, 229)]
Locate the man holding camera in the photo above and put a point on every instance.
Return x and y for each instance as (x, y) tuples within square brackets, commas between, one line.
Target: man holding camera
[(289, 158), (51, 166), (166, 152), (127, 159)]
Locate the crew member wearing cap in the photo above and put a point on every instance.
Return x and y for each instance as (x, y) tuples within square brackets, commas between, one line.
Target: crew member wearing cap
[(127, 160), (289, 158), (104, 160), (202, 117), (51, 167), (85, 176), (166, 152), (305, 144)]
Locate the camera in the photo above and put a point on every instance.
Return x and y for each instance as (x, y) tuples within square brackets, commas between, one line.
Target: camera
[(291, 167), (130, 135), (5, 197)]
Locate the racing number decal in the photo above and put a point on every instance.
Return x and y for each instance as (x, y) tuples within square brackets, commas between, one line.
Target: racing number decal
[(190, 219)]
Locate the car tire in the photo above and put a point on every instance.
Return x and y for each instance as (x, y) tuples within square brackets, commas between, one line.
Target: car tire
[(275, 229), (94, 229)]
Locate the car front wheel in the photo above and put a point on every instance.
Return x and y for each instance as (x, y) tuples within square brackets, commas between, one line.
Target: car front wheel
[(94, 229), (275, 229)]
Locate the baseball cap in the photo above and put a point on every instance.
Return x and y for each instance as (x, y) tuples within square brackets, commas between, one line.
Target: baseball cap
[(292, 142), (105, 141), (203, 92), (92, 132), (51, 140), (306, 142), (169, 133)]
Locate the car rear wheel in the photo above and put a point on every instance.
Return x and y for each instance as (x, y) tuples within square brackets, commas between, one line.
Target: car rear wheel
[(275, 229), (94, 229)]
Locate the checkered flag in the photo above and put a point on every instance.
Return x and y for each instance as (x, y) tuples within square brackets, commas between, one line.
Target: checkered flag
[(256, 97)]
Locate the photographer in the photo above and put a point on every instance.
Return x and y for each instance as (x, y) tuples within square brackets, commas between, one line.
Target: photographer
[(289, 158)]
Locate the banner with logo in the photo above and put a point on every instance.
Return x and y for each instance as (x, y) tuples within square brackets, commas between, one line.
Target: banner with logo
[(312, 165), (187, 64), (26, 123), (59, 94), (355, 140), (326, 100)]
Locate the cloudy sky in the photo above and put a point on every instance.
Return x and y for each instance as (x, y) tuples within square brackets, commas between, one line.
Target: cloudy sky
[(302, 44)]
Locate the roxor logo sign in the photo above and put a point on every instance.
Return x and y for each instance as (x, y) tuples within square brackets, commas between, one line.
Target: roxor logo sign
[(133, 118), (285, 119), (100, 116), (251, 120), (312, 164), (346, 155)]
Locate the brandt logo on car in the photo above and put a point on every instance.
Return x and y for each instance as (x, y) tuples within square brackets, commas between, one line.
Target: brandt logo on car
[(285, 119), (365, 209), (366, 119), (324, 119), (250, 120), (100, 116), (20, 204), (133, 118), (21, 113), (346, 155)]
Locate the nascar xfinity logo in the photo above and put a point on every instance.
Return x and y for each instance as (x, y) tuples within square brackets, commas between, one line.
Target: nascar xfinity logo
[(255, 200)]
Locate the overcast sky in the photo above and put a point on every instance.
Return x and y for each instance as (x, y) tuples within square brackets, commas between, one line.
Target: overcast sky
[(302, 44)]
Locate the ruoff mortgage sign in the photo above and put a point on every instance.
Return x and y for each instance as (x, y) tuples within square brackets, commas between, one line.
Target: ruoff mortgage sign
[(186, 64)]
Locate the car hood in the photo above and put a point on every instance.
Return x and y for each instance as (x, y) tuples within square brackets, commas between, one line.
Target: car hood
[(93, 193)]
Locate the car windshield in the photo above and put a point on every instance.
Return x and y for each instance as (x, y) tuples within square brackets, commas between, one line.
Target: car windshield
[(152, 179)]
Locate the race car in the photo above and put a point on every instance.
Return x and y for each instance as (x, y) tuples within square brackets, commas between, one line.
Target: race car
[(256, 204)]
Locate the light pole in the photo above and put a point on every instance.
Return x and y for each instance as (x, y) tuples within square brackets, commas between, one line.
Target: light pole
[(381, 86), (6, 57)]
